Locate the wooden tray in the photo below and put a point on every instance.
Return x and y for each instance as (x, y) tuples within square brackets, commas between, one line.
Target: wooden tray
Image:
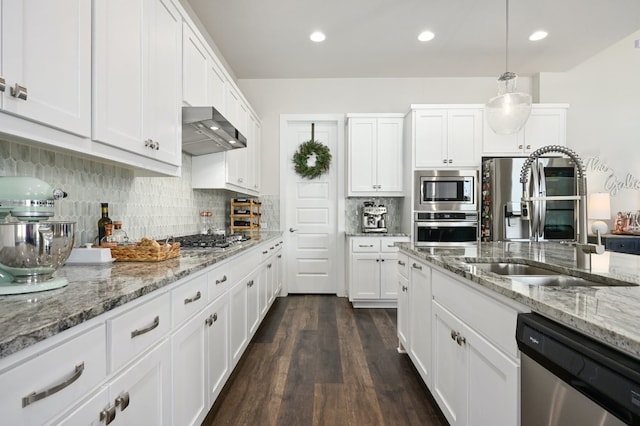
[(137, 253)]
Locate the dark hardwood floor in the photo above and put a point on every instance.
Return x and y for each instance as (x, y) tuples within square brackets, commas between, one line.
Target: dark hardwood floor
[(317, 361)]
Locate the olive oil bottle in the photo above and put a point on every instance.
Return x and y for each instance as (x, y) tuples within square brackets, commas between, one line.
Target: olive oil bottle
[(103, 221)]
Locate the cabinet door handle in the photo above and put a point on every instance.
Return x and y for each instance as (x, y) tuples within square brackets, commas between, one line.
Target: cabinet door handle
[(19, 92), (223, 279), (193, 299), (454, 335), (460, 340), (37, 396), (404, 288), (3, 84), (212, 318), (401, 263), (154, 324), (269, 265), (122, 400), (250, 283), (528, 146), (279, 256), (444, 161), (108, 415), (450, 161), (520, 146), (157, 145), (418, 267)]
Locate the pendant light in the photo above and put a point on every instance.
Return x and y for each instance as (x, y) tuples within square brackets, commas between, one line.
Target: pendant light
[(509, 110)]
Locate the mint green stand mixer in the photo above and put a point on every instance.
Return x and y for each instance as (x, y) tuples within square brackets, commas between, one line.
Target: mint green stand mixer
[(32, 248)]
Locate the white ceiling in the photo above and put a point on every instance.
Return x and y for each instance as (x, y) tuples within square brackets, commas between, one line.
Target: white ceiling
[(378, 38)]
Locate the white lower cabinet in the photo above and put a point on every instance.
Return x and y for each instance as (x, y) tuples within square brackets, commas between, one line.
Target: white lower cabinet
[(139, 395), (372, 271), (238, 320), (404, 294), (419, 340), (74, 367), (476, 367), (160, 360)]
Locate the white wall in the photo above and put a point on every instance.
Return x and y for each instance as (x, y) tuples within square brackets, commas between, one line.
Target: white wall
[(604, 118), (272, 97)]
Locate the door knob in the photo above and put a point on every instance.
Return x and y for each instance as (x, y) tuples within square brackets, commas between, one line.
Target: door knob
[(292, 230)]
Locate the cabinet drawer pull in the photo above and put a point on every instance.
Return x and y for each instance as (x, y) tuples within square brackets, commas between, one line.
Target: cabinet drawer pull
[(418, 267), (19, 92), (156, 322), (223, 279), (108, 415), (122, 400), (460, 340), (269, 265), (404, 288), (193, 299), (250, 283), (279, 256), (365, 245), (401, 263), (33, 397), (3, 84), (265, 252)]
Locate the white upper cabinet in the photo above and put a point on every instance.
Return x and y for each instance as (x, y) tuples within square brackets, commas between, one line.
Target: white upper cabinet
[(547, 125), (46, 62), (375, 155), (204, 84), (447, 136), (137, 77)]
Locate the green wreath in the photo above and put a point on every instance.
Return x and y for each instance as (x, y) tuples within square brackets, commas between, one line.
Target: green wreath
[(301, 159)]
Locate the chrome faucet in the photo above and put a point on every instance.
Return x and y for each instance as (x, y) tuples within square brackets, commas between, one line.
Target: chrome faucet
[(583, 248)]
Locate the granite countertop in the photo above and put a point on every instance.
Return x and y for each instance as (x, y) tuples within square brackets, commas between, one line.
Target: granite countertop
[(608, 314), (27, 319)]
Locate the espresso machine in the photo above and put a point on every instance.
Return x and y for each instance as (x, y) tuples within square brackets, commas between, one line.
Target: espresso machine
[(374, 218)]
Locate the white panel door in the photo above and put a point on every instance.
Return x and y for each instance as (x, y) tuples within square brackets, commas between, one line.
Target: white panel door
[(310, 213)]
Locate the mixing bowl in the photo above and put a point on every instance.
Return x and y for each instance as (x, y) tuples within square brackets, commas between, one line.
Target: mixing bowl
[(30, 252)]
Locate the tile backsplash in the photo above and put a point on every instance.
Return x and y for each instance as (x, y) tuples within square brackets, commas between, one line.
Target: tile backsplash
[(155, 207)]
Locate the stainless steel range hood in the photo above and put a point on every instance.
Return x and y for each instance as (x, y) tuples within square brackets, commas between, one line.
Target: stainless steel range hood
[(205, 131)]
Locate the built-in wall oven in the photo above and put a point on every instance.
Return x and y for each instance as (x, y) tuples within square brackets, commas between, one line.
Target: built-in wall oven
[(445, 228), (445, 208)]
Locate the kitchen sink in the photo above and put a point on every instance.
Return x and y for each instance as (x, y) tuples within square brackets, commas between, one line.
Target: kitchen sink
[(541, 276), (504, 268)]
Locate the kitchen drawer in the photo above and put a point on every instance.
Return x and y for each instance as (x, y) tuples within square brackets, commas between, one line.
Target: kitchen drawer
[(228, 273), (622, 245), (490, 318), (403, 265), (365, 245), (132, 332), (74, 368), (189, 298), (387, 244)]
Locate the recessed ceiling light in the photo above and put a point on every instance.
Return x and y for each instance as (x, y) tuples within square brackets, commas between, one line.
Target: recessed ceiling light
[(317, 36), (426, 36), (538, 35)]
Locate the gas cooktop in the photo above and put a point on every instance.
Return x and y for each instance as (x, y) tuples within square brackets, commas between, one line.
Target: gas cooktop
[(210, 241)]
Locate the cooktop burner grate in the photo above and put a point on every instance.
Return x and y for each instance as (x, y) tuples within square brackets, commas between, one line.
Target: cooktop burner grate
[(209, 241)]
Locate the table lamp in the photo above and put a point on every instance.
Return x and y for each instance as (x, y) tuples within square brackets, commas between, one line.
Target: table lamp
[(599, 208)]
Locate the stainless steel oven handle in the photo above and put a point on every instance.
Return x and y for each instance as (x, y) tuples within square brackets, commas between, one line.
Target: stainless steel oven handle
[(452, 224)]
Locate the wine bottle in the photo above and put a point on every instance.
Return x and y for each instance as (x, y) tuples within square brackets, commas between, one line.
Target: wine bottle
[(103, 221)]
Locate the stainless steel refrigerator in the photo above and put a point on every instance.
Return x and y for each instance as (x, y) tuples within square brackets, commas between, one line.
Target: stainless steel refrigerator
[(501, 193)]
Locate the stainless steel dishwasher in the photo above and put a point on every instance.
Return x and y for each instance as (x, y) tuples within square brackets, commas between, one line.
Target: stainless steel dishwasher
[(568, 378)]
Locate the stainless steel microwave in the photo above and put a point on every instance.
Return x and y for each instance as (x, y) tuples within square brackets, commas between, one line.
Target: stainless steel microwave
[(446, 190)]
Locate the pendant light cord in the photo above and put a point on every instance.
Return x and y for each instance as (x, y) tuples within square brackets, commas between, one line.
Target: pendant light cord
[(506, 42)]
